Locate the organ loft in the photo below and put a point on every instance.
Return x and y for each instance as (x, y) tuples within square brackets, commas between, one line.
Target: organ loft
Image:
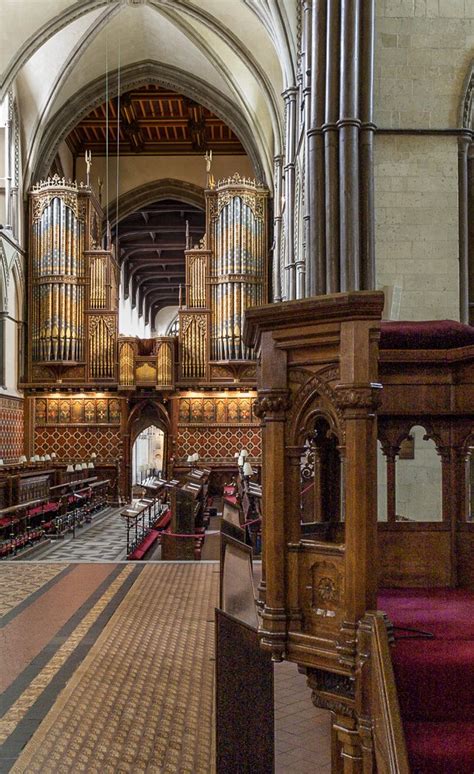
[(88, 385)]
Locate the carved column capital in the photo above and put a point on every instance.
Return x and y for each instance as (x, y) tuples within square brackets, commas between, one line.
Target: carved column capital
[(355, 399), (332, 691), (272, 405)]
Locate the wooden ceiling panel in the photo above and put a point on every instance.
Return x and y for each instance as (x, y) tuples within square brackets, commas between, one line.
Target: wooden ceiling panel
[(154, 121), (151, 243)]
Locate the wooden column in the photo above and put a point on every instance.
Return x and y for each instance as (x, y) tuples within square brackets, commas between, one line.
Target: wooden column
[(317, 501), (358, 399), (270, 408), (293, 532), (391, 457)]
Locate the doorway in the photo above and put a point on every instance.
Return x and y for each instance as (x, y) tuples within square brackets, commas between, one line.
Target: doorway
[(148, 454)]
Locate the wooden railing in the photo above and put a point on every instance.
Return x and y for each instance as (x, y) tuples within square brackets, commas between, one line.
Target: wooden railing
[(377, 699)]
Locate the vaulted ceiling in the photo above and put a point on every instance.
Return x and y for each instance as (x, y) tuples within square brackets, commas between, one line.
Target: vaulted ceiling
[(152, 120), (150, 245), (66, 57)]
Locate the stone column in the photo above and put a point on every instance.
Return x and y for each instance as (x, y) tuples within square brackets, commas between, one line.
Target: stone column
[(340, 146), (463, 148), (277, 229), (290, 149), (308, 264)]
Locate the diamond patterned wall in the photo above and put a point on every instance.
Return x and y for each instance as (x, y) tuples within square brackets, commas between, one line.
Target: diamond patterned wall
[(77, 443), (11, 428), (218, 443)]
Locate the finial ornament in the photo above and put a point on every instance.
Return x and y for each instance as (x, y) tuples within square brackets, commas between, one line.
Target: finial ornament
[(210, 183), (88, 160)]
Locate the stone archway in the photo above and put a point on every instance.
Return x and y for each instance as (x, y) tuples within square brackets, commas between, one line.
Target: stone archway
[(145, 412), (166, 188), (134, 76)]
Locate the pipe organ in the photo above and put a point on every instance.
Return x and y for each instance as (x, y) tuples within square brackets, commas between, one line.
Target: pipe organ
[(72, 287), (58, 277), (237, 239), (76, 359), (224, 278)]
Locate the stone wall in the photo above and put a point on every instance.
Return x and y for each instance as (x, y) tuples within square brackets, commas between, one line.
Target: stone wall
[(416, 216), (423, 55)]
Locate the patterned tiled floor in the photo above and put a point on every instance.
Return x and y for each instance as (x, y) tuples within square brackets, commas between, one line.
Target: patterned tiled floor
[(302, 732), (103, 541), (141, 699), (16, 586), (109, 668)]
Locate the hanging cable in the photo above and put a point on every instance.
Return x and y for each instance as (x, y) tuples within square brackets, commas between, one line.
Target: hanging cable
[(117, 163), (107, 245)]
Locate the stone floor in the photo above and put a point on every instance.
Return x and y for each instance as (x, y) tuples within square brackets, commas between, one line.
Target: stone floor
[(110, 668), (105, 540), (302, 732)]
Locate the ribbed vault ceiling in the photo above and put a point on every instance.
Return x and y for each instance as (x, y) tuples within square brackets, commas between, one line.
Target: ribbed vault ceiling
[(242, 50)]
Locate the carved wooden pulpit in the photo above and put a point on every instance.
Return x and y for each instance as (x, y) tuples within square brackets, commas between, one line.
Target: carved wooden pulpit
[(317, 398)]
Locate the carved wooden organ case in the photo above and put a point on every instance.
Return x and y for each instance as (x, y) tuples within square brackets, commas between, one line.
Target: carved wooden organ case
[(318, 389), (72, 288), (224, 277)]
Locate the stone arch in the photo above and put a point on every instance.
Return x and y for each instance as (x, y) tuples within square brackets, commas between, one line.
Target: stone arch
[(166, 188), (466, 111), (135, 76)]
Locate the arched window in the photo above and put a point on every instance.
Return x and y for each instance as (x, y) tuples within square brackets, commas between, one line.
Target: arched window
[(173, 327)]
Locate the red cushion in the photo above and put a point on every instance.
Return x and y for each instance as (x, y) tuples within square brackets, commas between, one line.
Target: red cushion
[(145, 545), (425, 334), (164, 520)]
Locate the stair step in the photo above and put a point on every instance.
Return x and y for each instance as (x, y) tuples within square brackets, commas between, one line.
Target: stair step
[(441, 748)]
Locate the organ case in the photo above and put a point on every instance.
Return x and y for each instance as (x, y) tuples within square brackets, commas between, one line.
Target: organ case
[(72, 287)]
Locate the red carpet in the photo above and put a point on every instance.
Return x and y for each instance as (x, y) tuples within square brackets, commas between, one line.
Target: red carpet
[(435, 678)]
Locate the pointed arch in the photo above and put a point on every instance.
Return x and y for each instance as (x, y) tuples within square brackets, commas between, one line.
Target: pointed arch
[(134, 76)]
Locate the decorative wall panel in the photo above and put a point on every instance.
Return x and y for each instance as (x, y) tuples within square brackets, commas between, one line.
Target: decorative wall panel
[(11, 428), (218, 444), (225, 410), (78, 443), (77, 411)]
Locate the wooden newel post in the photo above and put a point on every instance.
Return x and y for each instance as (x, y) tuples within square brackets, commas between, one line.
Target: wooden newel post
[(318, 388), (358, 394), (270, 407)]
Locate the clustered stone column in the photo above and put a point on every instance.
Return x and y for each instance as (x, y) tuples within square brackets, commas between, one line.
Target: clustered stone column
[(340, 145)]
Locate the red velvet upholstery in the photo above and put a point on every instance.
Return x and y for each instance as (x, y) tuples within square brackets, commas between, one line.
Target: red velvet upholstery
[(435, 678), (145, 545), (426, 334), (163, 521)]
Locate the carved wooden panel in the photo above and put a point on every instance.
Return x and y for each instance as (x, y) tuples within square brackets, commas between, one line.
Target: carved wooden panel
[(76, 411), (400, 564)]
